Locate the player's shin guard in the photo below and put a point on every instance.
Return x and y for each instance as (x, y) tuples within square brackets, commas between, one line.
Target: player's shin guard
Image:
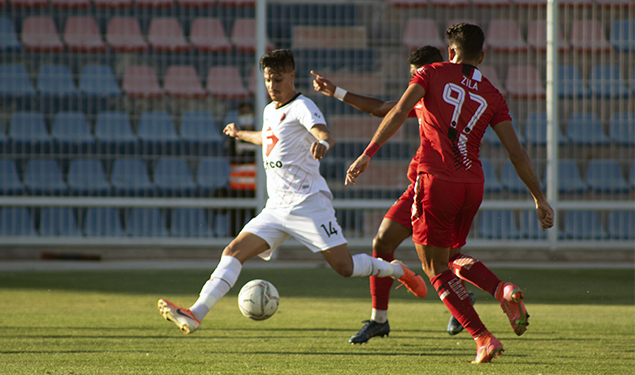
[(380, 286), (222, 280), (456, 299), (474, 271)]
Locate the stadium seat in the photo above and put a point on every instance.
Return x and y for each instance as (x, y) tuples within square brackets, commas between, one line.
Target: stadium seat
[(81, 34), (530, 227), (352, 133), (208, 35), (631, 178), (237, 3), (615, 3), (421, 32), (114, 133), (570, 84), (29, 4), (196, 3), (510, 180), (113, 4), (154, 4), (98, 81), (409, 3), (497, 224), (8, 38), (10, 183), (537, 37), (329, 37), (622, 128), (166, 35), (157, 133), (623, 35), (606, 81), (576, 3), (16, 221), (146, 222), (621, 225), (221, 225), (199, 134), (585, 129), (492, 183), (450, 3), (141, 82), (58, 222), (123, 34), (190, 222), (70, 4), (524, 82), (583, 225), (212, 174), (243, 35), (491, 3), (225, 82), (39, 34), (605, 176), (490, 73), (172, 177), (505, 36), (536, 130), (15, 81), (103, 222), (130, 177), (569, 180), (87, 177), (71, 133), (181, 81), (492, 139), (56, 81), (588, 36), (27, 132), (43, 177)]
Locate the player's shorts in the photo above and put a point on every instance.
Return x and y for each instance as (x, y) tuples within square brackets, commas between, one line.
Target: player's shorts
[(400, 211), (443, 211), (312, 223)]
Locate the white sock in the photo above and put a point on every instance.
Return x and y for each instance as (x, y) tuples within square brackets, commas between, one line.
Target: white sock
[(222, 280), (365, 265), (379, 316)]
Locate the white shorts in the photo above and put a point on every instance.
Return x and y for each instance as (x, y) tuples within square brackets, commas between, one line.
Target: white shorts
[(312, 222)]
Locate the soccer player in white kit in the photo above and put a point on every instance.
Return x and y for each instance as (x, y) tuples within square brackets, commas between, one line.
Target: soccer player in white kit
[(294, 138)]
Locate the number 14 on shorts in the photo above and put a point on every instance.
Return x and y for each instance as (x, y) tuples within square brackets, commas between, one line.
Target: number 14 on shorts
[(330, 230)]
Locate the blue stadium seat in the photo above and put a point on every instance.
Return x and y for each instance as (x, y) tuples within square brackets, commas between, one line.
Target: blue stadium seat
[(623, 35), (622, 128), (497, 224), (172, 177), (130, 177), (157, 133), (585, 129), (221, 225), (492, 183), (8, 38), (114, 133), (10, 183), (16, 222), (536, 130), (493, 140), (283, 16), (190, 222), (43, 177), (71, 132), (621, 225), (55, 81), (87, 177), (57, 222), (510, 180), (570, 84), (583, 225), (605, 176), (569, 180), (606, 81), (213, 174), (530, 227), (199, 134), (102, 222), (146, 222), (27, 132), (15, 81), (98, 80)]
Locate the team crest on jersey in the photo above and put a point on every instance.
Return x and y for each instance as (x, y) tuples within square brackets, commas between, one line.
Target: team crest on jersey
[(270, 141)]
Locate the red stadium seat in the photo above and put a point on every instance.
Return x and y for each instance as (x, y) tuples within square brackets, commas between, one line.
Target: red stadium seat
[(409, 3), (588, 36), (39, 34), (615, 3), (82, 35), (208, 35), (29, 3), (504, 36), (141, 82), (537, 37), (196, 3), (243, 35), (421, 32), (154, 4), (575, 3), (166, 35), (490, 73), (183, 82), (329, 37), (355, 128), (524, 82), (70, 4), (124, 35), (113, 4), (225, 82), (491, 3)]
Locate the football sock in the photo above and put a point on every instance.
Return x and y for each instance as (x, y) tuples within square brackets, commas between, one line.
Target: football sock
[(379, 316), (380, 286), (473, 270), (455, 297), (222, 280), (365, 265)]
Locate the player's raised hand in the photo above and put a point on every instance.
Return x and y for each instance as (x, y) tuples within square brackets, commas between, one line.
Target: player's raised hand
[(545, 215), (231, 130), (357, 168), (322, 84)]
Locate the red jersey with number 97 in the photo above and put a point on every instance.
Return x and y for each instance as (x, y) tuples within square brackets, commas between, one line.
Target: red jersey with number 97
[(458, 105)]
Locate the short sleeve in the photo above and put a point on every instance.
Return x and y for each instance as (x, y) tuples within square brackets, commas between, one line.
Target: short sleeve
[(501, 114), (310, 115)]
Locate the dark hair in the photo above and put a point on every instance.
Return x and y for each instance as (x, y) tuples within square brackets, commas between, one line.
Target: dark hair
[(425, 55), (467, 39), (280, 60)]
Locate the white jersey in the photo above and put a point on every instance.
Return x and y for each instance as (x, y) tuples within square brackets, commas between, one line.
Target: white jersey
[(292, 172)]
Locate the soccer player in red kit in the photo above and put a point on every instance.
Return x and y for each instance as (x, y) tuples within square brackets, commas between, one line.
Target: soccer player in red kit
[(454, 105)]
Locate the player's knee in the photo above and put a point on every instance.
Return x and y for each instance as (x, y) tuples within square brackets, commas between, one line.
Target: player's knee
[(343, 269)]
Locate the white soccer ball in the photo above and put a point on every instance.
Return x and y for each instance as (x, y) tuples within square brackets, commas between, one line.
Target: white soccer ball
[(258, 299)]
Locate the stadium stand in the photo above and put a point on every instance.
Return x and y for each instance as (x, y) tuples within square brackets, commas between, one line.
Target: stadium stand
[(491, 3), (56, 81), (622, 128), (237, 3), (166, 35), (537, 37), (190, 222), (10, 183), (569, 179), (113, 4), (199, 134), (130, 177), (450, 3), (631, 180), (8, 37), (622, 36), (225, 82), (212, 174), (208, 35), (172, 178), (615, 3), (154, 4), (409, 3), (492, 183), (505, 36), (524, 82), (196, 3), (28, 133), (585, 129), (605, 176), (141, 82), (123, 34), (102, 222), (490, 73), (606, 81), (588, 36), (221, 225), (529, 226), (29, 4), (181, 81), (570, 83), (510, 180), (157, 133), (70, 4), (86, 177), (16, 221), (621, 225), (71, 133), (98, 81), (15, 81), (58, 222), (146, 222), (583, 225), (421, 32), (39, 34), (243, 35), (536, 130), (497, 224), (44, 177), (114, 133), (81, 34), (329, 37)]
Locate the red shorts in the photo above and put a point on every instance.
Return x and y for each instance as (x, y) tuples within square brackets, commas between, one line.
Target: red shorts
[(400, 211), (443, 211)]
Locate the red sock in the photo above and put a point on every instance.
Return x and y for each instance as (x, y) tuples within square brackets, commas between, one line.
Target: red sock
[(473, 270), (456, 299), (380, 286)]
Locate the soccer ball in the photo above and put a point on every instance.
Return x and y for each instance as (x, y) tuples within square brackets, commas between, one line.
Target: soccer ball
[(258, 299)]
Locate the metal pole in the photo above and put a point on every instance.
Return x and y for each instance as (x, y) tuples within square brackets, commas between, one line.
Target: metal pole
[(552, 115), (261, 98)]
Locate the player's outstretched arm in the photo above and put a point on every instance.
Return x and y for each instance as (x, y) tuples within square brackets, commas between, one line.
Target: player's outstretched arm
[(233, 130), (324, 141)]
